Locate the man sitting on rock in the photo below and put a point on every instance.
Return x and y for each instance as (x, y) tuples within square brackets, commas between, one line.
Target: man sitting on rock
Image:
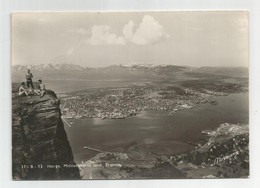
[(41, 90), (23, 90)]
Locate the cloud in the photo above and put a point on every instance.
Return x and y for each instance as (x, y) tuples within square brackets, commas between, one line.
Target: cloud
[(71, 51), (149, 31), (102, 35), (128, 30)]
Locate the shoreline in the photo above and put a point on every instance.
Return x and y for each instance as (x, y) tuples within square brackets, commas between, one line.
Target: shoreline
[(210, 99), (112, 163)]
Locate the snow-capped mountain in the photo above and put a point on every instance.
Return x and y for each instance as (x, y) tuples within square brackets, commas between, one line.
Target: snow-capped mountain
[(47, 67), (67, 71), (144, 65), (72, 71)]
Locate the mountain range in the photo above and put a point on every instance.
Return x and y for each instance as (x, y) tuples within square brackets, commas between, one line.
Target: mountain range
[(122, 72)]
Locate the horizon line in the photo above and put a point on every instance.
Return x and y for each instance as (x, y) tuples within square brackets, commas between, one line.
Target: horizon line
[(129, 65)]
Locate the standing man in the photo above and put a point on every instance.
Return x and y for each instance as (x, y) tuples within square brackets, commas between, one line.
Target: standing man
[(29, 77)]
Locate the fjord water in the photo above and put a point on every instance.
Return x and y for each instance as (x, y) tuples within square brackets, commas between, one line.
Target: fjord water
[(63, 86), (155, 131)]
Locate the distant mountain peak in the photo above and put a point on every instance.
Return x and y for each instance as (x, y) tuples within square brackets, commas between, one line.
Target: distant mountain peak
[(48, 66), (148, 65)]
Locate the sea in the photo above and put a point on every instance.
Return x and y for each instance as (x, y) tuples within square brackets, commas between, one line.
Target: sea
[(156, 132)]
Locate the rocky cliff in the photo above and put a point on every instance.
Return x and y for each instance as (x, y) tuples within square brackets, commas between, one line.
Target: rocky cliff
[(40, 148)]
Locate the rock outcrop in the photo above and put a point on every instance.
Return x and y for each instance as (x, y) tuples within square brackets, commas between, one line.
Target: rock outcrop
[(40, 148)]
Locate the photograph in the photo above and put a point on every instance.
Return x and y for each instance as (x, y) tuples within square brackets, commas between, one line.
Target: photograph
[(130, 95)]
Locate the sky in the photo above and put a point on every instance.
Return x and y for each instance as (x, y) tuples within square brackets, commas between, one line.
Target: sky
[(108, 38)]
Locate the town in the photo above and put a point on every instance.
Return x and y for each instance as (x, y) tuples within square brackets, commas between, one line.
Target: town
[(119, 103)]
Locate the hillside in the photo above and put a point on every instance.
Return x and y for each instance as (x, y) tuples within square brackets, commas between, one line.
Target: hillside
[(125, 72), (40, 144)]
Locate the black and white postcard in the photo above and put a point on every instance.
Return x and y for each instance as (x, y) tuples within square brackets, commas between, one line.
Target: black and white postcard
[(130, 95)]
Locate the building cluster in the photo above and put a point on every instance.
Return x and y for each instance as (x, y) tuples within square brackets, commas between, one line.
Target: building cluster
[(124, 102)]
